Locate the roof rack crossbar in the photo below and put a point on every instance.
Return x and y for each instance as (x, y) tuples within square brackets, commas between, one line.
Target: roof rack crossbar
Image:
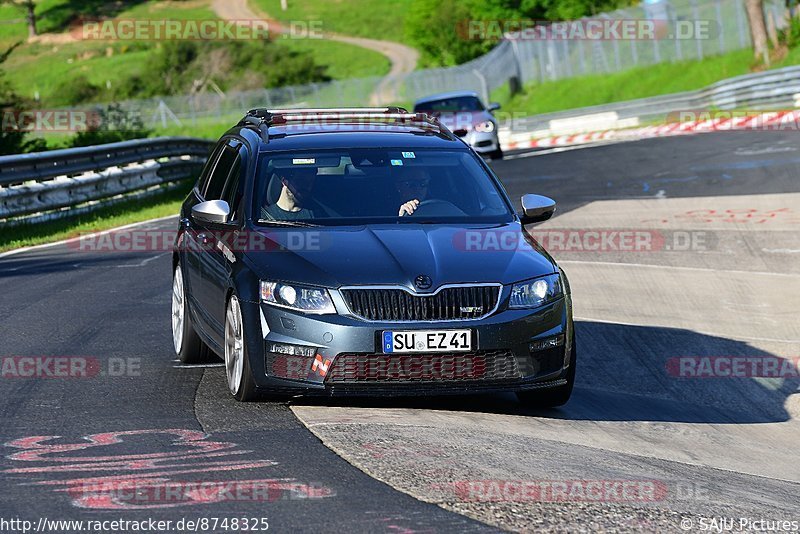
[(263, 111), (262, 118)]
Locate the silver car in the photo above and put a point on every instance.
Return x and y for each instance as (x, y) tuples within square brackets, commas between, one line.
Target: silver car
[(466, 116)]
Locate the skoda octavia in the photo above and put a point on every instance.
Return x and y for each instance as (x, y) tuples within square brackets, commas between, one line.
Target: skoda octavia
[(366, 251)]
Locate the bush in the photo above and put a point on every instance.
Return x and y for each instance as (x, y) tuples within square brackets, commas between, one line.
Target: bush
[(12, 140), (432, 25), (791, 35), (113, 124), (77, 90), (177, 67)]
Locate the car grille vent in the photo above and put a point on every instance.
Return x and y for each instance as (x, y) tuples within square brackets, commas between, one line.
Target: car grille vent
[(450, 303), (415, 368)]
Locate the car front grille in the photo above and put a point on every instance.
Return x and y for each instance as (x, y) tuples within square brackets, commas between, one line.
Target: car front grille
[(450, 303), (356, 368)]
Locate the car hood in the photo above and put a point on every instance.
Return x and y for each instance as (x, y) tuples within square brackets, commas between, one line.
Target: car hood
[(397, 254)]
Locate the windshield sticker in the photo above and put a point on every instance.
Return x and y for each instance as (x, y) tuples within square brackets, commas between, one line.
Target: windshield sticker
[(303, 161), (409, 155), (397, 162)]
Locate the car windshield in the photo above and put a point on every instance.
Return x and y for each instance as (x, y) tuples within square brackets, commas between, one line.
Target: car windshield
[(459, 103), (376, 186)]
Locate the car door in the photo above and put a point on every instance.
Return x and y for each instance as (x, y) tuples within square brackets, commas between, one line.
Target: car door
[(217, 257), (191, 245)]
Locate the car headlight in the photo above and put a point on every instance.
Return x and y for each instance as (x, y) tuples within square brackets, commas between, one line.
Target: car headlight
[(534, 293), (485, 127), (300, 298)]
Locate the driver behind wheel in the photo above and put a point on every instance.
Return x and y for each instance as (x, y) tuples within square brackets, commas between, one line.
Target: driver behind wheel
[(412, 186)]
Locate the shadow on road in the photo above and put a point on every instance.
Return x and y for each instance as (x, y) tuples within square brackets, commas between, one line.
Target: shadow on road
[(633, 373)]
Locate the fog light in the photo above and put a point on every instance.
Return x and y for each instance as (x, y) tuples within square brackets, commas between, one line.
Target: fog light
[(291, 350), (547, 343)]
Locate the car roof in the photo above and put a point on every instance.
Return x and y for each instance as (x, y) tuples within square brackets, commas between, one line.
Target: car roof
[(342, 128), (343, 137), (442, 96)]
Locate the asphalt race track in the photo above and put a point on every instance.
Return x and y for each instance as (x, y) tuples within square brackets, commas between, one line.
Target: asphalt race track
[(713, 272)]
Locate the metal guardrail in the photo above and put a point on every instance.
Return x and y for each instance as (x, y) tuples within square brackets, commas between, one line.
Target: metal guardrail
[(45, 165), (37, 185)]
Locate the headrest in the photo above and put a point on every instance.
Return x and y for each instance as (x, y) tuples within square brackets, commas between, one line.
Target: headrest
[(273, 192)]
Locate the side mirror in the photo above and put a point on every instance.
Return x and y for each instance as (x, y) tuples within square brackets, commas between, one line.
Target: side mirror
[(536, 208), (493, 106), (212, 211)]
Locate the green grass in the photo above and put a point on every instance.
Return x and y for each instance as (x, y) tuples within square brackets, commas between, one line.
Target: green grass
[(55, 16), (120, 214), (38, 68), (100, 63), (11, 31), (376, 19), (635, 83), (343, 60), (792, 58)]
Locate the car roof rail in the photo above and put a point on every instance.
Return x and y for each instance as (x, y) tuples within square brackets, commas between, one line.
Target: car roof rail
[(261, 119)]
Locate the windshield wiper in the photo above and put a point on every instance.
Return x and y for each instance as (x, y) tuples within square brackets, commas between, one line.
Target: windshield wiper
[(295, 224)]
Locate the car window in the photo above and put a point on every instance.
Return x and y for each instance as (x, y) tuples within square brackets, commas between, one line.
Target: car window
[(202, 182), (219, 175), (459, 103), (369, 186), (232, 193)]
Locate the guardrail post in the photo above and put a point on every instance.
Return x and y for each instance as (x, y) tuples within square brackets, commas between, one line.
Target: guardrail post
[(697, 40), (743, 35), (721, 27)]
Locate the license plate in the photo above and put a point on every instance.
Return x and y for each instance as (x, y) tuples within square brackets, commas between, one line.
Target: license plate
[(426, 341)]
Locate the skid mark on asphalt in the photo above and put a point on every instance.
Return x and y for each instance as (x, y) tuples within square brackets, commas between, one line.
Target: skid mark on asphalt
[(114, 480)]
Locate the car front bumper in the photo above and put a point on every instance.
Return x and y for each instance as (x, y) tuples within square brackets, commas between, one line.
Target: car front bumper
[(326, 344), (482, 142)]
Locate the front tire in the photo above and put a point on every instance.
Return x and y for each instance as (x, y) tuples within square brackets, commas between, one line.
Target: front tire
[(497, 154), (552, 397), (188, 346), (237, 364)]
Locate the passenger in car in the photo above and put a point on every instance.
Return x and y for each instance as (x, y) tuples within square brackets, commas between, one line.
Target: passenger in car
[(296, 187)]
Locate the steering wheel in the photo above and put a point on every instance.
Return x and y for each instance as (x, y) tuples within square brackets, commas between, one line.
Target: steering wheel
[(437, 208)]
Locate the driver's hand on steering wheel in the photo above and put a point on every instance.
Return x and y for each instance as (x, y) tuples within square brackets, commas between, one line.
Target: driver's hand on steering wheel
[(409, 207)]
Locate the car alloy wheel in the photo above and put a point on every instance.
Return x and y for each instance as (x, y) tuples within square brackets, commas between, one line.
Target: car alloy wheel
[(234, 346), (177, 310)]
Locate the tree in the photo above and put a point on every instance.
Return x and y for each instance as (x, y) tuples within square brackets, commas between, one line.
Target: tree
[(758, 29), (30, 13), (13, 140)]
